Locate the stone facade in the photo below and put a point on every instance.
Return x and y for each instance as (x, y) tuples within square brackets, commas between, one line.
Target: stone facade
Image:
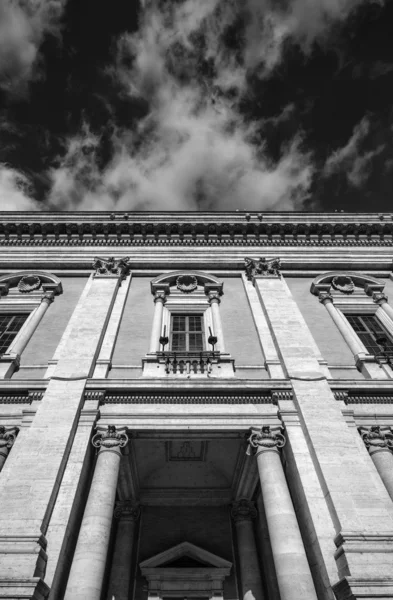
[(196, 406)]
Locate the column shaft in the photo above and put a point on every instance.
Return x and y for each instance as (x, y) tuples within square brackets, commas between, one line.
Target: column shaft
[(387, 309), (157, 324), (120, 577), (383, 460), (243, 513), (32, 325), (88, 565), (292, 569), (249, 567), (217, 325), (379, 441)]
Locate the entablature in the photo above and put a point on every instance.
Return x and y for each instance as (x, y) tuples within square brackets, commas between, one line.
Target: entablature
[(196, 229)]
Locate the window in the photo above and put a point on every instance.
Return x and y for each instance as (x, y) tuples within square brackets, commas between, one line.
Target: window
[(10, 325), (369, 329), (187, 333)]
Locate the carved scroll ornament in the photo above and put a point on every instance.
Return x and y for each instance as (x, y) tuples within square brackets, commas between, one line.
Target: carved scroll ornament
[(110, 439)]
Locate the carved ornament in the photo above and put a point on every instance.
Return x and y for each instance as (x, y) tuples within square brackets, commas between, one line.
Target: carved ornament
[(186, 283), (379, 297), (377, 437), (29, 283), (263, 267), (243, 510), (325, 297), (127, 510), (268, 438), (111, 266), (7, 437), (344, 284), (110, 439), (160, 296)]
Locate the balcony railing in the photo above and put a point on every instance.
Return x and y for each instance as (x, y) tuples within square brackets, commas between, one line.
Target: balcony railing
[(188, 364)]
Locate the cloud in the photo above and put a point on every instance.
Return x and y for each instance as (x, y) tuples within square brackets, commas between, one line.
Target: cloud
[(23, 26), (193, 149), (15, 192), (188, 65), (353, 159)]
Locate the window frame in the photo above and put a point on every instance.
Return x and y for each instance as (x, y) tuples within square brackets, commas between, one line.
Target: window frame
[(187, 331), (368, 331), (183, 304), (18, 333)]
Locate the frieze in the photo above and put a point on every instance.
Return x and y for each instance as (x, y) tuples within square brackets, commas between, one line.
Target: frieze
[(128, 398)]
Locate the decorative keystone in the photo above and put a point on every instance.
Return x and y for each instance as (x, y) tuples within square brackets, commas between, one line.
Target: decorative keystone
[(243, 510), (110, 439), (127, 510), (376, 438), (267, 438), (265, 267), (111, 266)]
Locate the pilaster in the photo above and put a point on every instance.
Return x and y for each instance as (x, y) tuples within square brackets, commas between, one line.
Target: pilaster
[(32, 476), (336, 460)]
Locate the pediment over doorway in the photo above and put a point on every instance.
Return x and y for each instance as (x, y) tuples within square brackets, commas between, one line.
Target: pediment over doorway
[(185, 571), (183, 551)]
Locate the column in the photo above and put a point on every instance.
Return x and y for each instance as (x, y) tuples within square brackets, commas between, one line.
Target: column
[(11, 359), (382, 300), (159, 301), (293, 572), (7, 439), (26, 333), (88, 565), (369, 369), (243, 513), (119, 584), (214, 301), (379, 442)]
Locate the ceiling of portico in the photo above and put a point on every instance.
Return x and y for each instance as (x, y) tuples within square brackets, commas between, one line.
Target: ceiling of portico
[(182, 471)]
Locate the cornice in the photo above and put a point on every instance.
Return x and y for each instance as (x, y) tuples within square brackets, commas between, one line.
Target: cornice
[(195, 229)]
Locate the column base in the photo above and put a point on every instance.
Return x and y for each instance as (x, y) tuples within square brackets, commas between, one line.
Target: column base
[(354, 588), (23, 589)]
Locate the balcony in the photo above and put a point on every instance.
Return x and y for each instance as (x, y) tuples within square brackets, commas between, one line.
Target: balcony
[(188, 364)]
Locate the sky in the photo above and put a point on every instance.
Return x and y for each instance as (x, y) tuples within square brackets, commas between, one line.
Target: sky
[(196, 105)]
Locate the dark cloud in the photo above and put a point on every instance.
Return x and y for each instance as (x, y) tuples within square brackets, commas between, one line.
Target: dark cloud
[(186, 105)]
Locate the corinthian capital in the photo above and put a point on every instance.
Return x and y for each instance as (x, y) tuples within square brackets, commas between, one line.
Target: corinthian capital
[(379, 297), (7, 437), (325, 297), (111, 266), (110, 439), (268, 438), (243, 510), (160, 296), (265, 267), (127, 510), (377, 438)]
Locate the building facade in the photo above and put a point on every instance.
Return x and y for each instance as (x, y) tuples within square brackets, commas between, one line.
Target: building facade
[(196, 406)]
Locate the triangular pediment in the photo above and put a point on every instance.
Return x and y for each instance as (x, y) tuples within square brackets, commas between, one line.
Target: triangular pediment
[(183, 551)]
